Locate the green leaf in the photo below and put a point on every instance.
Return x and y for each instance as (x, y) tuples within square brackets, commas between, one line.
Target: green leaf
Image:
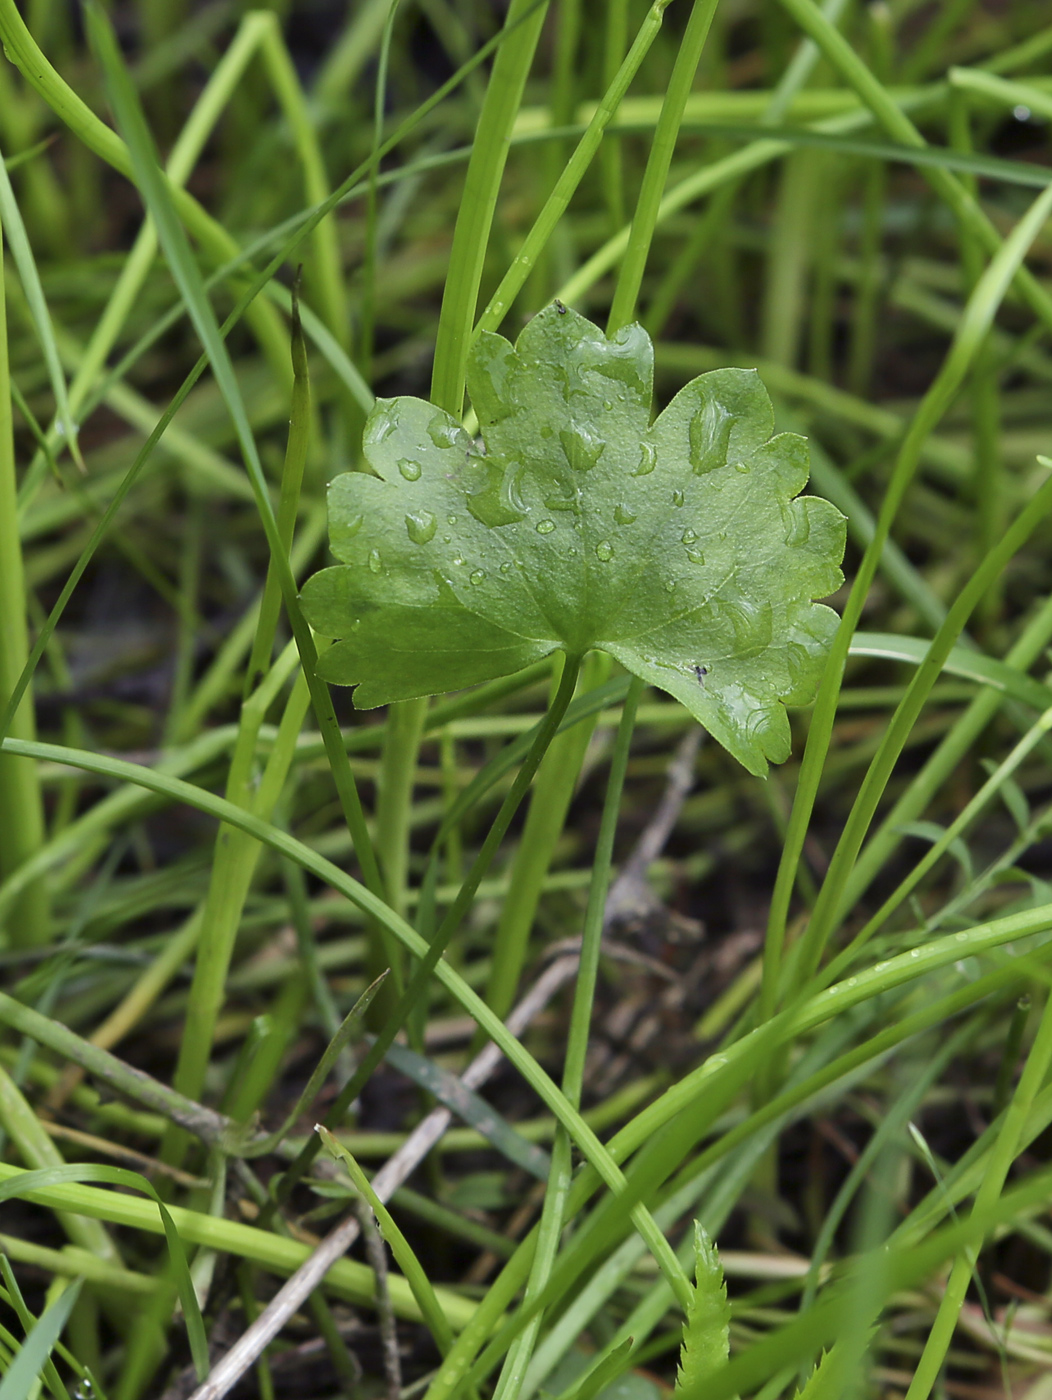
[(816, 1381), (35, 1351), (706, 1332), (678, 546)]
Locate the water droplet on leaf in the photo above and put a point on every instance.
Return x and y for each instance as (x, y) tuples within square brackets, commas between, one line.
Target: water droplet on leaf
[(623, 516), (421, 526), (695, 556), (798, 529), (545, 527), (750, 622), (604, 551), (442, 431), (583, 448), (382, 423), (677, 498), (567, 502), (710, 431), (647, 459), (349, 528), (477, 576), (375, 562), (688, 536)]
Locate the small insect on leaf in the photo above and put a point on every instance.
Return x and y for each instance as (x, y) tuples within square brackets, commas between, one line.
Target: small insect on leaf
[(576, 523)]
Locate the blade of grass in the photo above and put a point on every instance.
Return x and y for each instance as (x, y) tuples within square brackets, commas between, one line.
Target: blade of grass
[(666, 133), (572, 173), (28, 1321), (413, 1270), (21, 807), (475, 215), (897, 124), (60, 1188), (157, 196), (34, 1353), (19, 40), (374, 907), (978, 316), (22, 253), (820, 928), (1004, 1152), (553, 1214)]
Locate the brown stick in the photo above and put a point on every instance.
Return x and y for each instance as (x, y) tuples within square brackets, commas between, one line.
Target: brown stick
[(291, 1296)]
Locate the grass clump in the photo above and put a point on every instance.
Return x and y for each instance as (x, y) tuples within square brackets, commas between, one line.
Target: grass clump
[(574, 993)]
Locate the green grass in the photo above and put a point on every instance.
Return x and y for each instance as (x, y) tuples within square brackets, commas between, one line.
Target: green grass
[(208, 857)]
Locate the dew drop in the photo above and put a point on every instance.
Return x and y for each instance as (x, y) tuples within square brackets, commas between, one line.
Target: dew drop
[(741, 467), (458, 559), (421, 526), (505, 568), (582, 447), (604, 551), (961, 937), (799, 528), (688, 536), (607, 405), (670, 587), (442, 431), (914, 952), (647, 459), (852, 981), (477, 576), (447, 539), (376, 564), (349, 528), (451, 519), (382, 422), (545, 527), (709, 436), (677, 498), (695, 556), (623, 515), (409, 469)]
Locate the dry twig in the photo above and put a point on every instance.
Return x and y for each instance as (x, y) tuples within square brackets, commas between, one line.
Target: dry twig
[(309, 1276)]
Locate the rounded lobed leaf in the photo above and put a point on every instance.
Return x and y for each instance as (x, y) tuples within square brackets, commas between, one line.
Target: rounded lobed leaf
[(681, 547)]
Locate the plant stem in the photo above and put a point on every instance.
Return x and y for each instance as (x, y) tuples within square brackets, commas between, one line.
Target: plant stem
[(666, 133), (21, 807), (481, 186), (418, 983), (1004, 1152), (556, 1199)]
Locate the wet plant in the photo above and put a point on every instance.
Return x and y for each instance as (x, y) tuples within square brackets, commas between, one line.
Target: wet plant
[(428, 434)]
